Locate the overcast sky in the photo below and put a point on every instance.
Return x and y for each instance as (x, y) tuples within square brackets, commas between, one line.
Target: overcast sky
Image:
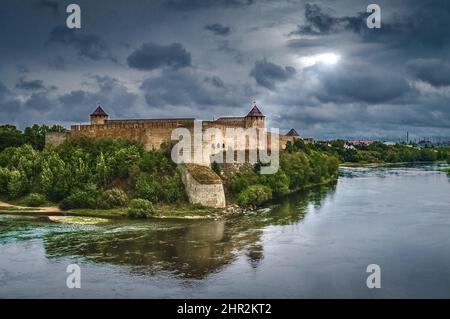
[(313, 66)]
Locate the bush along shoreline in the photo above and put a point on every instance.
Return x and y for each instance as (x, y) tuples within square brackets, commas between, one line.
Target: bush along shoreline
[(300, 168)]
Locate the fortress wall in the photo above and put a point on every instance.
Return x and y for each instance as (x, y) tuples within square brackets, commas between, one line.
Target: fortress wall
[(152, 133), (284, 139), (238, 121), (153, 122), (56, 138), (150, 137)]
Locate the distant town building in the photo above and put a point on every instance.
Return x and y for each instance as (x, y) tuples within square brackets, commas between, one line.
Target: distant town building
[(359, 142)]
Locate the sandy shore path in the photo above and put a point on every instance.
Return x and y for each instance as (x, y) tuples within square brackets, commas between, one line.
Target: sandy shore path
[(8, 208)]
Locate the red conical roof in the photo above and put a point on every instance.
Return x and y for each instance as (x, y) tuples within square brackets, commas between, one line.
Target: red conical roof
[(292, 132), (255, 112), (99, 112)]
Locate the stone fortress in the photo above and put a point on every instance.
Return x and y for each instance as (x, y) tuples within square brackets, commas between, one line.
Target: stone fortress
[(153, 132)]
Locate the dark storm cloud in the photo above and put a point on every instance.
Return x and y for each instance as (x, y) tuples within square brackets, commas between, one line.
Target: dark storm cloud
[(218, 29), (115, 98), (89, 46), (10, 106), (72, 107), (215, 81), (202, 4), (433, 71), (421, 26), (347, 83), (31, 85), (38, 102), (108, 91), (192, 89), (319, 22), (53, 6), (106, 83), (267, 73), (151, 56)]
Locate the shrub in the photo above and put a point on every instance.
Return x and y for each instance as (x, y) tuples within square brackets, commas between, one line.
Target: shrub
[(4, 178), (174, 191), (148, 188), (140, 208), (241, 181), (79, 199), (35, 200), (278, 183), (16, 184), (254, 195), (216, 168), (112, 198)]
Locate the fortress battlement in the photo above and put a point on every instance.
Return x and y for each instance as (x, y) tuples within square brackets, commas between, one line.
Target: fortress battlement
[(153, 132)]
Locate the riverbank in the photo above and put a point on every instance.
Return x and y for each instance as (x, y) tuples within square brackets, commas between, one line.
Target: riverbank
[(6, 208), (380, 164), (162, 211), (185, 211)]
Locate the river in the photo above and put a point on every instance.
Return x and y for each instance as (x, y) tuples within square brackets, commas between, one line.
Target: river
[(315, 244)]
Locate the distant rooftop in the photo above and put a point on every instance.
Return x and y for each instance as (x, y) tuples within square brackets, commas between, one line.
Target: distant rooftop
[(292, 132), (99, 112)]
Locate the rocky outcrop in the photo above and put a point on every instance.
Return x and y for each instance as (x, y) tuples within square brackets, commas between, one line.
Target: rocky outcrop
[(203, 186)]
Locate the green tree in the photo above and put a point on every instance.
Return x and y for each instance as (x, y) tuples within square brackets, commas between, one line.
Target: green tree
[(102, 171), (10, 136), (55, 177), (254, 195), (148, 188), (16, 183)]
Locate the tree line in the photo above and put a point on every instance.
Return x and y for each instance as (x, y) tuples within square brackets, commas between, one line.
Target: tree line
[(90, 173), (379, 152), (300, 167), (34, 135)]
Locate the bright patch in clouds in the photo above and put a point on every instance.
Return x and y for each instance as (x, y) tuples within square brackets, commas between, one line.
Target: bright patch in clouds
[(324, 58)]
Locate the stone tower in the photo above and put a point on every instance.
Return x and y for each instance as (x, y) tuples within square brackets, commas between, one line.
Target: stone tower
[(255, 118), (99, 116)]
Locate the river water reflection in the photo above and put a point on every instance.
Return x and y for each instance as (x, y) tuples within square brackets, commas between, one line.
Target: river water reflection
[(311, 244)]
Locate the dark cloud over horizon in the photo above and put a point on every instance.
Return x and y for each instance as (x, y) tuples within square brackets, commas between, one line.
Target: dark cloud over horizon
[(218, 29), (433, 71), (267, 73), (25, 84), (51, 5), (151, 56), (318, 22), (89, 46)]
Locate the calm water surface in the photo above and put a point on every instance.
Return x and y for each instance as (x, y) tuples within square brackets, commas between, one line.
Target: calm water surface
[(315, 244)]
